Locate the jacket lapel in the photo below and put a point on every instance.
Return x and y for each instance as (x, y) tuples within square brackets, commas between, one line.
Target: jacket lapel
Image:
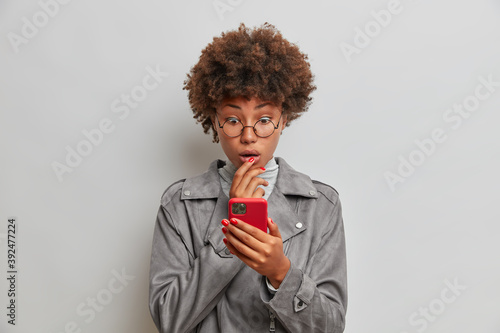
[(283, 215), (215, 234)]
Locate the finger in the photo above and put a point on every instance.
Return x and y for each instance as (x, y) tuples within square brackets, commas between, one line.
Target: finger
[(240, 242), (234, 251), (247, 184), (240, 255), (238, 175), (246, 231), (252, 186), (273, 228), (228, 245), (259, 193)]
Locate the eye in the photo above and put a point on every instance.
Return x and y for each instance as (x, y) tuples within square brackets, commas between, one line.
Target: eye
[(265, 120), (232, 121)]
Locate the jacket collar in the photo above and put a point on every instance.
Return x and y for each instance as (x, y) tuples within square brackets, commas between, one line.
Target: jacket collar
[(207, 185)]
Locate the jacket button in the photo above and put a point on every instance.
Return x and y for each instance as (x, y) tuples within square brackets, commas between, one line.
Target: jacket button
[(227, 252), (312, 192), (301, 303), (186, 192), (298, 225)]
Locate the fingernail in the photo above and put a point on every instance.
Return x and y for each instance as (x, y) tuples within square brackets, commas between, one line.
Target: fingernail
[(233, 221), (251, 160), (225, 222), (225, 240), (272, 222), (263, 168), (224, 229)]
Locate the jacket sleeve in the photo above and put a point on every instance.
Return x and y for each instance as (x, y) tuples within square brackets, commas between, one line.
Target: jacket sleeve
[(316, 300), (183, 289)]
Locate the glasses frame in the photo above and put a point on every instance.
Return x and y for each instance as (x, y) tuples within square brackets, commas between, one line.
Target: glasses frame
[(243, 128)]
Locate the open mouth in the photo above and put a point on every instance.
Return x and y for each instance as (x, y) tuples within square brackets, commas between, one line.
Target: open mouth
[(248, 154)]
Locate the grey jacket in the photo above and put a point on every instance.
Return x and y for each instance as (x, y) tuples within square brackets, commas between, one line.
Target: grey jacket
[(196, 285)]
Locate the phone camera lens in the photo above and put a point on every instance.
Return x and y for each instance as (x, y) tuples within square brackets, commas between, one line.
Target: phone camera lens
[(239, 208)]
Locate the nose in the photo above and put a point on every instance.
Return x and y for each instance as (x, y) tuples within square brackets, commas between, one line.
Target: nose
[(248, 135)]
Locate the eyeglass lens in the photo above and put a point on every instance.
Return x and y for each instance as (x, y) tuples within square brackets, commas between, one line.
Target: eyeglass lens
[(263, 128)]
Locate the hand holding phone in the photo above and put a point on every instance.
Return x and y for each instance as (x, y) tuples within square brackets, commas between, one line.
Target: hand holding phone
[(263, 252)]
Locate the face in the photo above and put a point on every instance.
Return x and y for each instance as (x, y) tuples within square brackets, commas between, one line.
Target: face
[(241, 148)]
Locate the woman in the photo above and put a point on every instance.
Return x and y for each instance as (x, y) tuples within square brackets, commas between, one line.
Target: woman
[(209, 274)]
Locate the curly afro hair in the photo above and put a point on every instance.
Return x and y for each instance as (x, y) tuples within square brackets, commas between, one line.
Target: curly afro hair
[(247, 62)]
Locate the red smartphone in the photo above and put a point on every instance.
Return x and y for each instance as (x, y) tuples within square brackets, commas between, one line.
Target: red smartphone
[(250, 210)]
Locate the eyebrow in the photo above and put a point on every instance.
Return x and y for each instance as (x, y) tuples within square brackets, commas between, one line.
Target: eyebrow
[(257, 107)]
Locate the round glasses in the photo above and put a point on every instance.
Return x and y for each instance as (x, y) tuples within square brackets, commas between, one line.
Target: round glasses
[(263, 128)]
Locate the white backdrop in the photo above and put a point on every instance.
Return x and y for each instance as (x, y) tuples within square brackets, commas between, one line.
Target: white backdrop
[(95, 125)]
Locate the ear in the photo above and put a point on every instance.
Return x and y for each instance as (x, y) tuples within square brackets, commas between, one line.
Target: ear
[(212, 119), (283, 122)]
